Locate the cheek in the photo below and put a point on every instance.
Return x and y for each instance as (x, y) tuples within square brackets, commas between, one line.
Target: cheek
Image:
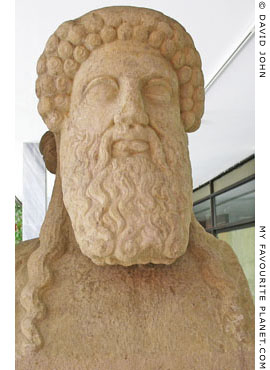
[(94, 116), (166, 119)]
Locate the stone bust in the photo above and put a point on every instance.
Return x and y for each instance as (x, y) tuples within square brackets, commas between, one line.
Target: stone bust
[(122, 275)]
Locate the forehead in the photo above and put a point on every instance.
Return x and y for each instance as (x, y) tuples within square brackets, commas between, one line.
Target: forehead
[(125, 59)]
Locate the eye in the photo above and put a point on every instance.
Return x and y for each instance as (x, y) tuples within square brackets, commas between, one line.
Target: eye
[(158, 91), (101, 89)]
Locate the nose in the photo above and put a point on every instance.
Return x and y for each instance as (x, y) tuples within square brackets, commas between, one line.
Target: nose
[(132, 110)]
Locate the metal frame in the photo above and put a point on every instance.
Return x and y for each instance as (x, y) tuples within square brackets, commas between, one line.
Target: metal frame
[(212, 196), (250, 33), (224, 190)]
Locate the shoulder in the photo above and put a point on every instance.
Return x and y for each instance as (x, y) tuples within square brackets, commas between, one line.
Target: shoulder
[(217, 253), (224, 258), (23, 251), (222, 272)]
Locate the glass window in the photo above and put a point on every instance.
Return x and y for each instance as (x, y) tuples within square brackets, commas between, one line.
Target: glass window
[(242, 242), (236, 205), (202, 212)]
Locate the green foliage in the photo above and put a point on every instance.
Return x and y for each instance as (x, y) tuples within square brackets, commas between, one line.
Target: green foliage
[(18, 222)]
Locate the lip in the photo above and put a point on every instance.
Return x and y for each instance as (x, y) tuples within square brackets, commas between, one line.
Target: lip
[(123, 147)]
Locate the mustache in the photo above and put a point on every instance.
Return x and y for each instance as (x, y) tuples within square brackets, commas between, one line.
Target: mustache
[(114, 134)]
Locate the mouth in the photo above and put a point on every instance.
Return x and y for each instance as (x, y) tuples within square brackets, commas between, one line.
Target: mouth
[(125, 148)]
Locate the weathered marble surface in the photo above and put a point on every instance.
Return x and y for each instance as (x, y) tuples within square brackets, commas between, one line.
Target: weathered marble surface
[(194, 314), (123, 276)]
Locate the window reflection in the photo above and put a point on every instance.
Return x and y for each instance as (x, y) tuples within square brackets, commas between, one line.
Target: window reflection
[(203, 213), (236, 205)]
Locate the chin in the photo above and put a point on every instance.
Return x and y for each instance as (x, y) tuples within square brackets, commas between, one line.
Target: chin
[(135, 251)]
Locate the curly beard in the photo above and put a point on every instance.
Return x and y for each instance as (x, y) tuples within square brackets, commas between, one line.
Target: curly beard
[(127, 209)]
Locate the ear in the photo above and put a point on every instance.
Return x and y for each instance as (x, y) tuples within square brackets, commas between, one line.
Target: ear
[(47, 147)]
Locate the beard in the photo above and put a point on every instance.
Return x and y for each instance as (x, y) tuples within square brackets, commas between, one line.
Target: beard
[(127, 207)]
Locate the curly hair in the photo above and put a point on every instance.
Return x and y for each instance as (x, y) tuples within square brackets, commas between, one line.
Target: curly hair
[(73, 42)]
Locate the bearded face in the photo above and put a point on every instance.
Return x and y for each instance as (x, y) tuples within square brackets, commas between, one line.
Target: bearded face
[(124, 160)]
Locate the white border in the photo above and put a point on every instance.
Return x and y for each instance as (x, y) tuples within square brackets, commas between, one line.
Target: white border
[(262, 143), (7, 32)]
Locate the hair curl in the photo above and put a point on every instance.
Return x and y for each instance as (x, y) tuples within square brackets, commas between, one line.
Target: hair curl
[(54, 236), (73, 42)]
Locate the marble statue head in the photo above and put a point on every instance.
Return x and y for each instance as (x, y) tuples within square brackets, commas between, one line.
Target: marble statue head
[(120, 87)]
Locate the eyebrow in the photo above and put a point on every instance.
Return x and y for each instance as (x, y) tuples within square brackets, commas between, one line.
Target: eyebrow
[(157, 76), (96, 80), (158, 80)]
